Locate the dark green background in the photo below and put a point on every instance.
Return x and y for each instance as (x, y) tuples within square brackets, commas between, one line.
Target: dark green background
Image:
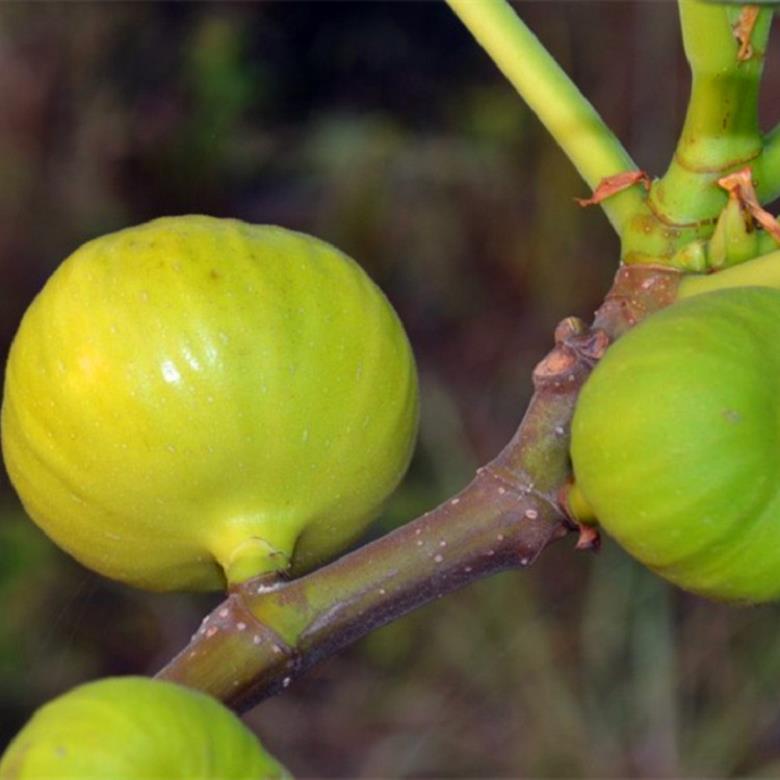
[(382, 128)]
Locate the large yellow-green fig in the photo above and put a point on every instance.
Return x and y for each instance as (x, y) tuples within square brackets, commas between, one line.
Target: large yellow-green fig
[(136, 728), (676, 443), (196, 399)]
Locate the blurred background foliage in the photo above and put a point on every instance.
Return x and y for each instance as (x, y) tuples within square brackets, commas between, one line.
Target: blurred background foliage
[(382, 128)]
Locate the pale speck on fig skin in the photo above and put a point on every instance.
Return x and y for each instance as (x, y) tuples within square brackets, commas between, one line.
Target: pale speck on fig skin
[(170, 373)]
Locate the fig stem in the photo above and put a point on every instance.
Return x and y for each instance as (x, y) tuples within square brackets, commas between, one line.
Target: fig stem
[(725, 47), (268, 632), (577, 505), (569, 117)]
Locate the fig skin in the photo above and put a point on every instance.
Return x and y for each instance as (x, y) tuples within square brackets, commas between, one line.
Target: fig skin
[(136, 728), (676, 443), (196, 400)]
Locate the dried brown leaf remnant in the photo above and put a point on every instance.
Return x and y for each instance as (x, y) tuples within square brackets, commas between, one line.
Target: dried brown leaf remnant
[(611, 185), (743, 31), (739, 185)]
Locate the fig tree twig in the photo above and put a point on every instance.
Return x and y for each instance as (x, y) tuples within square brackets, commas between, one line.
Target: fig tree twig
[(267, 633), (567, 114)]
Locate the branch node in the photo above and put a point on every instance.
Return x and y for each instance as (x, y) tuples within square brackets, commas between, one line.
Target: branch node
[(612, 185)]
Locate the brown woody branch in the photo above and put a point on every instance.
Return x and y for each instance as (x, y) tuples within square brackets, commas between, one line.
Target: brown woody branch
[(268, 633)]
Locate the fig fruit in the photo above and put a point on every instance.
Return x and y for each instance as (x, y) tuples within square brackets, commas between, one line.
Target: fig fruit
[(136, 728), (676, 443), (196, 400)]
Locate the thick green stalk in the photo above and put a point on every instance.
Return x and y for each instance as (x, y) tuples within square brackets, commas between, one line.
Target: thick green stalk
[(565, 112), (721, 131)]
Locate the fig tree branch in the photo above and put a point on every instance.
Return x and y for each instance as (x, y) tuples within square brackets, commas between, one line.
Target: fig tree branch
[(267, 633), (569, 117)]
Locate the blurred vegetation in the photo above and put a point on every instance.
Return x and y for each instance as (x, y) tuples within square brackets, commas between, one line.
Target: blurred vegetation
[(382, 128)]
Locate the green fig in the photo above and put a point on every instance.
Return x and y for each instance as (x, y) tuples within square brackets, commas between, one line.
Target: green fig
[(676, 443), (136, 728), (197, 401)]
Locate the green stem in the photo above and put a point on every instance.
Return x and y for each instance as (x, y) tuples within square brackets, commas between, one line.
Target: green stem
[(565, 112), (721, 131)]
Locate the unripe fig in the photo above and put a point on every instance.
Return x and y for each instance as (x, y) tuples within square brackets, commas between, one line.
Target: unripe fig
[(676, 443), (136, 728), (196, 400)]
